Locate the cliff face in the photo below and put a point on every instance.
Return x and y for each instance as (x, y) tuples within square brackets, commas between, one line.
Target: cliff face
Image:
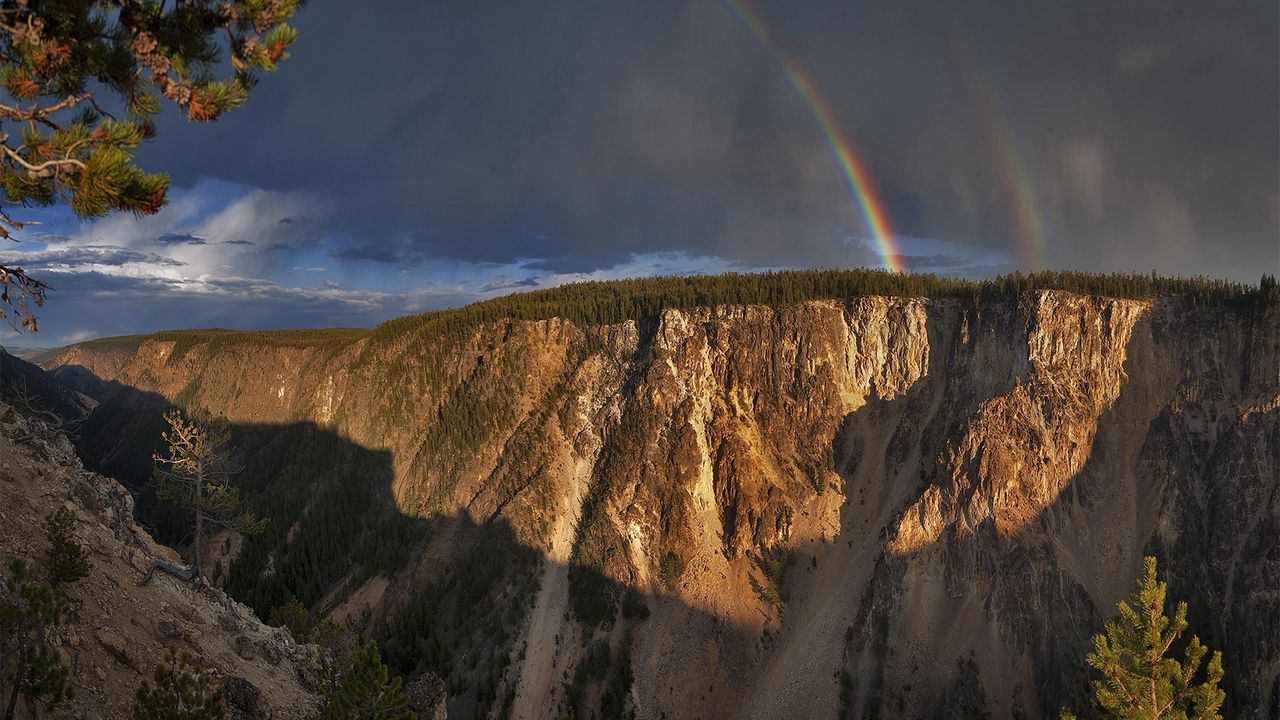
[(824, 507)]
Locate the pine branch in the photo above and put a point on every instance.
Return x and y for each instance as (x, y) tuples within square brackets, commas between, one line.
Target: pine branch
[(58, 59), (40, 169)]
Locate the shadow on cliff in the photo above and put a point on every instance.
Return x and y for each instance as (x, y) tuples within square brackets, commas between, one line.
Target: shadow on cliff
[(888, 452), (447, 594), (1046, 589), (30, 388), (1187, 483)]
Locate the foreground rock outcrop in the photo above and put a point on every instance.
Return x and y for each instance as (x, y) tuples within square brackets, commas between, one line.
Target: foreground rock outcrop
[(857, 506), (116, 631)]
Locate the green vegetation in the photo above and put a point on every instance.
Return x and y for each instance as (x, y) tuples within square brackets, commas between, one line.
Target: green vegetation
[(614, 301), (181, 692), (462, 623), (671, 568), (216, 339), (592, 595), (354, 682), (473, 412), (967, 699), (30, 613), (1139, 680), (222, 339), (773, 564), (593, 303), (299, 473), (29, 665), (478, 410), (335, 521), (59, 59), (68, 559), (333, 518), (115, 344), (195, 475), (607, 672), (292, 615), (366, 690)]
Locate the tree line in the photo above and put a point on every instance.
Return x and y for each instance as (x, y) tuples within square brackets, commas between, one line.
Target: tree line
[(614, 301)]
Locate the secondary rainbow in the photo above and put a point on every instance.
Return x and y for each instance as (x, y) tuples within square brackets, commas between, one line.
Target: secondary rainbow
[(1029, 227), (854, 171)]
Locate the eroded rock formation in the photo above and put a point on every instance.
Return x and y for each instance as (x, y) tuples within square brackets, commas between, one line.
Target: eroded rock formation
[(825, 507)]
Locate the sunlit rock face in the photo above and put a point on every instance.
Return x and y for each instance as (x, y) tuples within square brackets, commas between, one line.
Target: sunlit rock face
[(952, 479)]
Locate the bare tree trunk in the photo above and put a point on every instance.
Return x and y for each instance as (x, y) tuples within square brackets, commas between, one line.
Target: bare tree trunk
[(175, 570), (199, 538), (13, 694)]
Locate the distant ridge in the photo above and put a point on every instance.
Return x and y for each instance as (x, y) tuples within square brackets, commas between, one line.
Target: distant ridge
[(613, 301)]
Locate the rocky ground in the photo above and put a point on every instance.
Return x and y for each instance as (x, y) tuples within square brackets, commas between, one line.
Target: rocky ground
[(117, 630)]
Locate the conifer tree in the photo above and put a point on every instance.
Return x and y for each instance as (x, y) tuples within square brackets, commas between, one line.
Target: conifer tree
[(1140, 681), (83, 82), (293, 615), (355, 683), (367, 690), (30, 612), (181, 692), (29, 666), (68, 559), (195, 475)]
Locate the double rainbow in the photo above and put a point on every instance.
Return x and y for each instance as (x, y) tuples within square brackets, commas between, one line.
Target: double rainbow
[(853, 169), (1021, 195)]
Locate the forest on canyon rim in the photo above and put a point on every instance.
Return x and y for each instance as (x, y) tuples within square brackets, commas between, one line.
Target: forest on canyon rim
[(850, 492)]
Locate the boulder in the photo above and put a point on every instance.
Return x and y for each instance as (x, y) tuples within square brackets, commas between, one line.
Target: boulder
[(428, 697)]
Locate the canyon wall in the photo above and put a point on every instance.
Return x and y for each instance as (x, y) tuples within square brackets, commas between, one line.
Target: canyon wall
[(872, 507)]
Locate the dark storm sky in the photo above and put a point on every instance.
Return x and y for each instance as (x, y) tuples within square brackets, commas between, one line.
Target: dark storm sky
[(428, 154)]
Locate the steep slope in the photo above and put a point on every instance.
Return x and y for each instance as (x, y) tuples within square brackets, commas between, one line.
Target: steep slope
[(808, 507), (39, 394), (117, 631)]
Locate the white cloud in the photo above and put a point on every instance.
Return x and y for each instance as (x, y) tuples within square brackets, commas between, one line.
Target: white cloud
[(241, 229)]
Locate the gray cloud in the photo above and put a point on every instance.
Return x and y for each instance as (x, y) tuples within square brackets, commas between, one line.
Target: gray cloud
[(94, 299), (580, 133), (181, 239), (390, 253), (75, 258), (457, 150), (508, 283), (96, 304)]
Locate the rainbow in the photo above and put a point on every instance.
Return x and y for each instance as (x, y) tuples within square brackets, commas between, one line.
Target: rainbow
[(1032, 247), (855, 172)]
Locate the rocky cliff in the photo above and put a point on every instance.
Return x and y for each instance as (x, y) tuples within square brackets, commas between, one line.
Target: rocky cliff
[(853, 506), (116, 631)]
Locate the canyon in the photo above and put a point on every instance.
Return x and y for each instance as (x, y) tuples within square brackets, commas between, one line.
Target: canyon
[(861, 506)]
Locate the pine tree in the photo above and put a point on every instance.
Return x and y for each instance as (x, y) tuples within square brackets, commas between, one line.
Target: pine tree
[(353, 680), (30, 612), (181, 692), (293, 615), (967, 699), (196, 476), (1140, 682), (58, 59), (29, 666), (68, 559), (368, 691)]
